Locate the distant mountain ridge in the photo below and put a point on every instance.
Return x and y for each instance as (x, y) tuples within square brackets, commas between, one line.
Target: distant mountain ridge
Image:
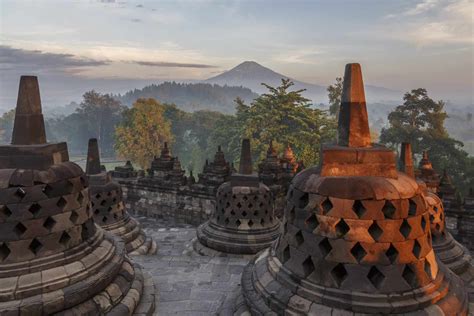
[(251, 74), (245, 81), (192, 96)]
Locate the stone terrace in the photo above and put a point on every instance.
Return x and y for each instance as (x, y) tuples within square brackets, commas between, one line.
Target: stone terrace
[(187, 283)]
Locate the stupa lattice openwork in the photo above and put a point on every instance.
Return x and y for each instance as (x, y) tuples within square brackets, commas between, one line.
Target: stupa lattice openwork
[(450, 252), (53, 258), (243, 221), (108, 208), (356, 235)]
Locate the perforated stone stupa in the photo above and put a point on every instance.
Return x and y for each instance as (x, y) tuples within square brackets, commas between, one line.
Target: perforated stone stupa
[(125, 172), (451, 253), (272, 174), (448, 193), (214, 173), (165, 170), (243, 221), (356, 235), (53, 258), (427, 174), (108, 209)]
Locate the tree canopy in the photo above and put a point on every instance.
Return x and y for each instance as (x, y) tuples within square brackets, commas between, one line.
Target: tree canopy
[(6, 126), (282, 116), (142, 132), (420, 121), (334, 95)]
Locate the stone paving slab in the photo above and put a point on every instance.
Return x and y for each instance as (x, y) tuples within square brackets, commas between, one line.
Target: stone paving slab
[(187, 283)]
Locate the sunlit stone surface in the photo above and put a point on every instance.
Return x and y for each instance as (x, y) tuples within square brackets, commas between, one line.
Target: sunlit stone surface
[(53, 258), (108, 208), (356, 236)]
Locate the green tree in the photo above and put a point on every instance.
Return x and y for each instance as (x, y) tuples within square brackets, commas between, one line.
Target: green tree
[(142, 132), (192, 135), (334, 95), (6, 126), (101, 113), (420, 121), (283, 116)]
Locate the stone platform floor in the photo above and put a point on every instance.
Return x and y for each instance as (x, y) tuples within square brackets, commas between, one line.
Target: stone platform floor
[(187, 283)]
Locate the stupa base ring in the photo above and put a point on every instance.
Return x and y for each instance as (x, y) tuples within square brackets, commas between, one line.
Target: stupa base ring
[(270, 289), (236, 241), (136, 241), (68, 289)]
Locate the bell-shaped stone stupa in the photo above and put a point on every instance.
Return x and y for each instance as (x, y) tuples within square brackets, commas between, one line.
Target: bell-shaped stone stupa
[(451, 253), (108, 208), (243, 221), (427, 174), (356, 235), (53, 258)]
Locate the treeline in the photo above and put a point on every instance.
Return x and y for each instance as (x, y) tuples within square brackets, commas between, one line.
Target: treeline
[(281, 115), (191, 96)]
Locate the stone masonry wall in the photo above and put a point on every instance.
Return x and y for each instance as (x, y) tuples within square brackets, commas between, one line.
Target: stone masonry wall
[(466, 231), (179, 204)]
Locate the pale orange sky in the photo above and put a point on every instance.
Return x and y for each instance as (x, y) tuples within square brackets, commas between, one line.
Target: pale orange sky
[(402, 44)]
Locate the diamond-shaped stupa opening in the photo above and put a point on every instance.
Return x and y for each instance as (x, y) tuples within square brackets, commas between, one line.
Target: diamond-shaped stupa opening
[(358, 251), (375, 231), (325, 247), (410, 276), (35, 246), (4, 251), (339, 274), (389, 210), (311, 222), (308, 266), (299, 238), (405, 228), (376, 277), (392, 253), (342, 228), (359, 208), (326, 206)]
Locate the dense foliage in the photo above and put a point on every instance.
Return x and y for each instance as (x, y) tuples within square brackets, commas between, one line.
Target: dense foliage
[(191, 96), (334, 96), (142, 132), (282, 116), (6, 126), (192, 133), (420, 121)]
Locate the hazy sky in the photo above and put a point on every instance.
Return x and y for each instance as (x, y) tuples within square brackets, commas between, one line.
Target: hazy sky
[(401, 44)]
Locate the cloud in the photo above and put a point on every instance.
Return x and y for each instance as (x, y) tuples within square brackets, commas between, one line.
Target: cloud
[(36, 60), (435, 23), (422, 7), (172, 64)]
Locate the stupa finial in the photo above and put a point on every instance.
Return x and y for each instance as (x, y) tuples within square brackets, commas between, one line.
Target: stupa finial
[(353, 127), (28, 128), (93, 157), (406, 160), (245, 158)]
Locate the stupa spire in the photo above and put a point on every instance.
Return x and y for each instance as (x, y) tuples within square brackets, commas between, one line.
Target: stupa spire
[(353, 128), (93, 157), (245, 158), (28, 128), (406, 160)]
